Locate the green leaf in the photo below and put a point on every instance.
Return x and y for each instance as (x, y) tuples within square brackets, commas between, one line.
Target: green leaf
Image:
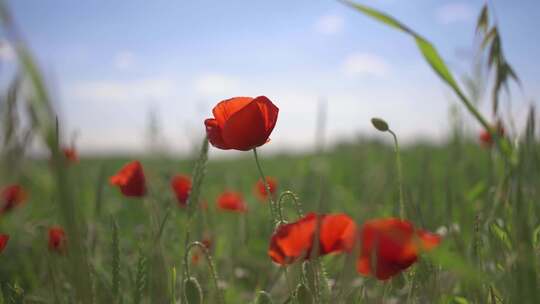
[(431, 55), (483, 19), (115, 251), (475, 193), (435, 61), (460, 300), (387, 19), (456, 264)]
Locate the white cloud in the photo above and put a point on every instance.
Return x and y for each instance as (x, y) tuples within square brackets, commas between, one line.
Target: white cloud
[(212, 85), (365, 64), (329, 24), (124, 91), (455, 12), (124, 60), (6, 51)]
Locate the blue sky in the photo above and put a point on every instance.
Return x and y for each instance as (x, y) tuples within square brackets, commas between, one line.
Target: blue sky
[(111, 62)]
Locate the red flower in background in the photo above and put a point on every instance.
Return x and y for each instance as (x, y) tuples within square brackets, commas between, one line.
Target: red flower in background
[(231, 201), (390, 246), (11, 197), (181, 185), (260, 188), (130, 179), (241, 123), (4, 238), (485, 137), (290, 242), (71, 154), (57, 239)]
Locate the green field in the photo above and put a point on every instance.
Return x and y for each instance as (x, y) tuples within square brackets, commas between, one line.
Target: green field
[(455, 185), (482, 199)]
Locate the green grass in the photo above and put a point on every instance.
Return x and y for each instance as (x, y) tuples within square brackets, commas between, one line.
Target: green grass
[(134, 250), (452, 185)]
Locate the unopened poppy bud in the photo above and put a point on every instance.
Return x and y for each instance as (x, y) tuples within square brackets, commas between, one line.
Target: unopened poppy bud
[(303, 295), (192, 291), (263, 297), (379, 124)]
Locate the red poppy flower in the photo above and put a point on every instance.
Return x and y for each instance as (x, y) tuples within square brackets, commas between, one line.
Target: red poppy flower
[(260, 188), (486, 139), (231, 201), (57, 239), (290, 242), (181, 185), (4, 238), (130, 179), (71, 154), (241, 123), (11, 197), (390, 246)]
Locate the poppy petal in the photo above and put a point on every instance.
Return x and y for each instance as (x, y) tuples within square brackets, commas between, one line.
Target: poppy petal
[(246, 129), (11, 197), (231, 201), (130, 179), (428, 240), (391, 245), (226, 108), (269, 112), (4, 238), (293, 241), (337, 233), (214, 133), (387, 269), (181, 186), (57, 239)]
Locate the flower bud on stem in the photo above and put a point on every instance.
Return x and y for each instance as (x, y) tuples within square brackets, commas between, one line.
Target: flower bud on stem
[(381, 125)]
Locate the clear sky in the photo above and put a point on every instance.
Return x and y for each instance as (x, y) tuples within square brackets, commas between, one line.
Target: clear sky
[(110, 63)]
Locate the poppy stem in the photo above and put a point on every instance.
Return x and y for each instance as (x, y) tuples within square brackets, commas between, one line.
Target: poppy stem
[(400, 175), (211, 266), (295, 199), (266, 186)]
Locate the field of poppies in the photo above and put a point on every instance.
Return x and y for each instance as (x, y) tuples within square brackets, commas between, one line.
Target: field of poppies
[(358, 222)]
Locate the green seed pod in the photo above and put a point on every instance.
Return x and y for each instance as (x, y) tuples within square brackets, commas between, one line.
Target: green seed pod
[(303, 294), (263, 297), (192, 291), (379, 124)]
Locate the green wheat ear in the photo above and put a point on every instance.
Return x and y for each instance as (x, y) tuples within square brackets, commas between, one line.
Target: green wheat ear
[(192, 291), (12, 294), (199, 172), (140, 279)]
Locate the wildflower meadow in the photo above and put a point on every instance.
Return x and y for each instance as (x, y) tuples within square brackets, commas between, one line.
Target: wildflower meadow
[(361, 221)]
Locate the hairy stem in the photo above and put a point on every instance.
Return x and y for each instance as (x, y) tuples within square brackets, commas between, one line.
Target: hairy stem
[(400, 176), (267, 187)]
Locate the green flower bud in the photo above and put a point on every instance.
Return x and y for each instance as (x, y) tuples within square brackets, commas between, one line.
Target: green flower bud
[(379, 124), (192, 291), (263, 297)]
